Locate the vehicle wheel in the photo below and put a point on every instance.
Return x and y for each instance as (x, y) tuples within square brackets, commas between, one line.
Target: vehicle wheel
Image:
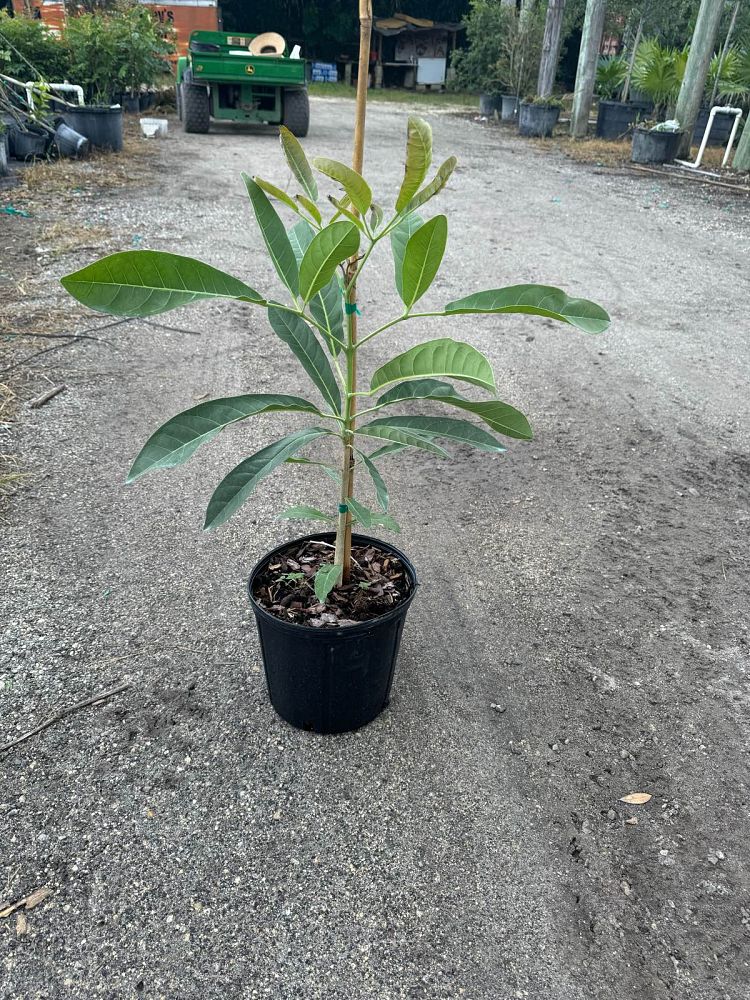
[(178, 100), (296, 115), (194, 105)]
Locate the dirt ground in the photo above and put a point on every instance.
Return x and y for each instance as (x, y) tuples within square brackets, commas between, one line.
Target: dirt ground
[(581, 632)]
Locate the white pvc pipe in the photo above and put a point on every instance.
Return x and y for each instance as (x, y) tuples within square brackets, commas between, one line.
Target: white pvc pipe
[(737, 112), (66, 88)]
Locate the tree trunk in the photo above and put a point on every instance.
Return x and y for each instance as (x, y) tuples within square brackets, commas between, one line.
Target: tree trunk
[(550, 47), (591, 39), (696, 71), (742, 156)]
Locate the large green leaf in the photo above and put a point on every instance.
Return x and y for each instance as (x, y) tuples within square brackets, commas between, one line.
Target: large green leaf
[(297, 334), (444, 357), (422, 258), (326, 251), (400, 235), (442, 427), (277, 193), (236, 487), (362, 513), (540, 300), (326, 579), (399, 435), (304, 513), (501, 417), (418, 160), (274, 235), (435, 186), (298, 163), (353, 183), (327, 305), (147, 282), (177, 439), (381, 490)]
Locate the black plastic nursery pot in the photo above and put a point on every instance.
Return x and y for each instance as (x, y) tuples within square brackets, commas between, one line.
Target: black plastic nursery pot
[(101, 126), (537, 119), (331, 680), (30, 142), (721, 128), (654, 147), (489, 104), (616, 119)]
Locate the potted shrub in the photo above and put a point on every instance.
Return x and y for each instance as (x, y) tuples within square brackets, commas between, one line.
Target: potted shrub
[(657, 75), (142, 47), (330, 606), (92, 41), (538, 116), (656, 143), (728, 82), (615, 118)]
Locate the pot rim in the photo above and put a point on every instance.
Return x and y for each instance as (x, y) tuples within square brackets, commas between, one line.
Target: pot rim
[(361, 628)]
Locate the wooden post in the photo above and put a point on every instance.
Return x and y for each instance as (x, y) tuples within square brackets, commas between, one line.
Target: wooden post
[(591, 39), (696, 70), (550, 47), (741, 159), (344, 532)]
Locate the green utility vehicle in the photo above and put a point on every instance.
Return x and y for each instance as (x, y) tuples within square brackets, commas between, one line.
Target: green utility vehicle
[(220, 78)]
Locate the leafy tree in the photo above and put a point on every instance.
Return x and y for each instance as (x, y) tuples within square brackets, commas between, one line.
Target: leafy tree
[(27, 43)]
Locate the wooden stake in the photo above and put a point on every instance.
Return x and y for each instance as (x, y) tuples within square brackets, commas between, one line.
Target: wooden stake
[(344, 533)]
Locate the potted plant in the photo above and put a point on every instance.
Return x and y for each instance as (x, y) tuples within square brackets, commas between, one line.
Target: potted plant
[(330, 606), (656, 142), (538, 116), (657, 75), (92, 44), (728, 82), (615, 117), (142, 48)]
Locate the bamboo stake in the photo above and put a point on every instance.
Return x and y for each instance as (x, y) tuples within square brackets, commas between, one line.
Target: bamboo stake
[(344, 533)]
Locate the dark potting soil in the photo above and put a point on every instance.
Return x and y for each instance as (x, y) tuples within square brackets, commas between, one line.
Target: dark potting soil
[(285, 587)]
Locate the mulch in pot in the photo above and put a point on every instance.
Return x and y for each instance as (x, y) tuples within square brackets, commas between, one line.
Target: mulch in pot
[(285, 587)]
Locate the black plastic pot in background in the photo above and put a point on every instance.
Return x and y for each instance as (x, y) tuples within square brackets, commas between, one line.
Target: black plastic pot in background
[(537, 119), (615, 119), (509, 107), (131, 103), (331, 680), (70, 143), (101, 126), (30, 142), (654, 147), (489, 104), (146, 100)]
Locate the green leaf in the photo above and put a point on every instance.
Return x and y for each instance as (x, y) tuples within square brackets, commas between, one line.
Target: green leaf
[(326, 251), (341, 209), (540, 300), (274, 235), (176, 440), (387, 449), (298, 163), (325, 580), (362, 513), (422, 258), (327, 305), (442, 427), (400, 235), (381, 490), (418, 160), (297, 334), (376, 217), (445, 357), (148, 282), (311, 207), (304, 513), (385, 521), (408, 439), (435, 186), (332, 473), (353, 183), (277, 193), (501, 417), (236, 487)]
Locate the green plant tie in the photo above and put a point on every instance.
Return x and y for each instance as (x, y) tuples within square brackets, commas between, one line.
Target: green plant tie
[(343, 509), (350, 308)]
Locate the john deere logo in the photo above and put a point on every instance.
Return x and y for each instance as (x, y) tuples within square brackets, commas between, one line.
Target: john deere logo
[(249, 70)]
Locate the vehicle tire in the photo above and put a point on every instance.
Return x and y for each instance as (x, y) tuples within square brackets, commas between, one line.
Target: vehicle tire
[(195, 108), (296, 113)]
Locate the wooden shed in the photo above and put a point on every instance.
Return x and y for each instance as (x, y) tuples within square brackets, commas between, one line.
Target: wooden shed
[(413, 52)]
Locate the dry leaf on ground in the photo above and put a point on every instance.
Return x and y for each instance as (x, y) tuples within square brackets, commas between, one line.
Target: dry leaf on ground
[(37, 896), (22, 924), (636, 798)]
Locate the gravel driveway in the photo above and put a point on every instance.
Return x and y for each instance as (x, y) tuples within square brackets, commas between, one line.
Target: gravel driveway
[(581, 631)]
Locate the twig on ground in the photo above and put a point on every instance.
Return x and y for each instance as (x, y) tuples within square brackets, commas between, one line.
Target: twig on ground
[(73, 337), (64, 714), (45, 397)]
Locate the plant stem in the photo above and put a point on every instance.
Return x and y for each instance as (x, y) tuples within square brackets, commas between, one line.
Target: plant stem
[(344, 531)]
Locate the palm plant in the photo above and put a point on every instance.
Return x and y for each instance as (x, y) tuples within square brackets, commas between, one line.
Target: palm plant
[(610, 76), (657, 72), (729, 77), (319, 263)]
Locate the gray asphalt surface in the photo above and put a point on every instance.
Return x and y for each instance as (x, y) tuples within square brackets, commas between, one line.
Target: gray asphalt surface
[(580, 633)]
